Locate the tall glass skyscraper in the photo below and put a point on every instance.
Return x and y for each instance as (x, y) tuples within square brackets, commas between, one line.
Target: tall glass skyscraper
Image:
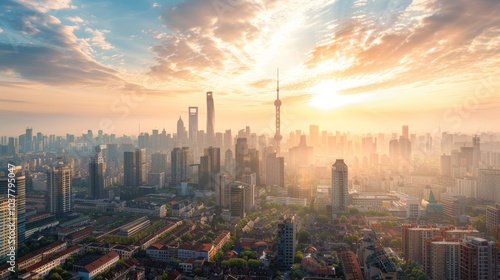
[(193, 124), (210, 119)]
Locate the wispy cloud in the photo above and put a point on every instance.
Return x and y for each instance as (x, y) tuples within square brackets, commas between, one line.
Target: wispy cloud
[(98, 39), (75, 19), (439, 38)]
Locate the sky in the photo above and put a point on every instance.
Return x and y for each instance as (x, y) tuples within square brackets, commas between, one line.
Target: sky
[(363, 66)]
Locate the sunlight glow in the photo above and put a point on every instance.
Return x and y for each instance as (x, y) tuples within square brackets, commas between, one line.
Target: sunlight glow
[(325, 97)]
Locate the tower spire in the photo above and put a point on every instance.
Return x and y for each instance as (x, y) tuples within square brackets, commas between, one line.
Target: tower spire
[(277, 104), (278, 83)]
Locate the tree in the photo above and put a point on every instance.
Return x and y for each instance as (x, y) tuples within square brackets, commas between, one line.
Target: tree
[(248, 253), (353, 211), (255, 263), (298, 257), (396, 242), (186, 237), (479, 223), (238, 262), (351, 238), (55, 276), (90, 239), (198, 271), (343, 219), (304, 236), (296, 272), (66, 275)]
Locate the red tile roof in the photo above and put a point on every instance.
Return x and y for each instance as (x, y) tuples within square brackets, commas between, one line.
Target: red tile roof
[(100, 262)]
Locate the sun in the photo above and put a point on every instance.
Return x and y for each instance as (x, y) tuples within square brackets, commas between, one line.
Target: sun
[(325, 97)]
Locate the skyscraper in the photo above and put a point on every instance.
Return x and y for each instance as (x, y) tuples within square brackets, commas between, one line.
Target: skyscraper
[(314, 135), (134, 168), (4, 227), (209, 169), (129, 169), (20, 196), (140, 167), (193, 125), (340, 195), (241, 157), (181, 159), (210, 119), (28, 140), (285, 242), (275, 170), (59, 187), (96, 172), (158, 163), (181, 133), (476, 157)]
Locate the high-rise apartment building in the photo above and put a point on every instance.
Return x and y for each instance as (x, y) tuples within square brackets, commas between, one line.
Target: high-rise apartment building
[(20, 203), (59, 187), (180, 160), (314, 135), (159, 163), (129, 169), (340, 194), (478, 259), (5, 219), (285, 242), (444, 259), (487, 185), (453, 205), (413, 237), (476, 157), (492, 217), (135, 168), (96, 174), (237, 206)]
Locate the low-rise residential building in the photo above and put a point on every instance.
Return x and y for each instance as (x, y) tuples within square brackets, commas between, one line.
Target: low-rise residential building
[(78, 236), (124, 251), (91, 270), (40, 254), (182, 209), (42, 268)]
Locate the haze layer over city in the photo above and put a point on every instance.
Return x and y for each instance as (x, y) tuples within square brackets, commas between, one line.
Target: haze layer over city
[(250, 139)]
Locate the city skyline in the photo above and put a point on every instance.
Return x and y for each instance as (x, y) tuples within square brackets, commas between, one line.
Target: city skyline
[(358, 66)]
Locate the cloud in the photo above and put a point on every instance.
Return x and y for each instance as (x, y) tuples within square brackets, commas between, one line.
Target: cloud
[(47, 5), (75, 19), (44, 50), (261, 83), (440, 38), (1, 30), (207, 37), (98, 39)]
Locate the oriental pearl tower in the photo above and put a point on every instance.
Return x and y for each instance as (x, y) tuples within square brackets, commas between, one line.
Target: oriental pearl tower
[(277, 104)]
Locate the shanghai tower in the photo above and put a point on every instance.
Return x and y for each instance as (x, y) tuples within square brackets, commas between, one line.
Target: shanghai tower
[(210, 119)]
